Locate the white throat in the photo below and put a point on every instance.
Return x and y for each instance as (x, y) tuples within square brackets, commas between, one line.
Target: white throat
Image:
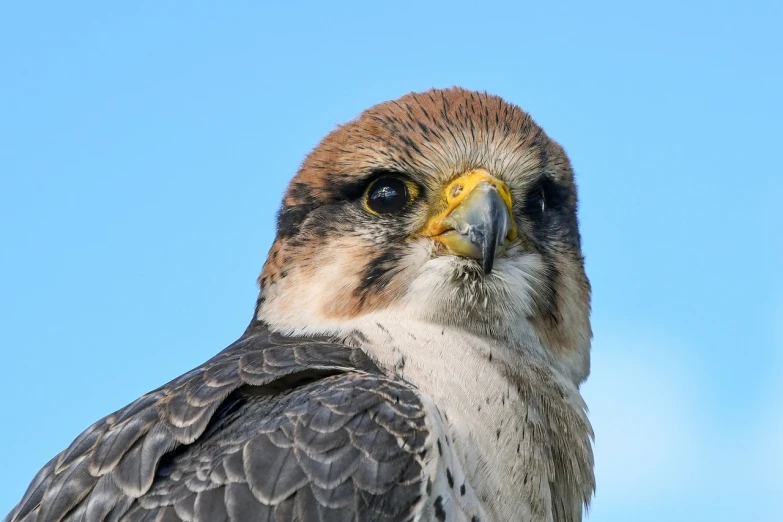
[(475, 383), (443, 293), (485, 369)]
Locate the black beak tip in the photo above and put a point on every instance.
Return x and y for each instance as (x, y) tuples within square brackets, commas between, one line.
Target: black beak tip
[(487, 263), (488, 256)]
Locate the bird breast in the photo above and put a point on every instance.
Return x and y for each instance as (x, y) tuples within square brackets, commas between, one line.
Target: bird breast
[(492, 413)]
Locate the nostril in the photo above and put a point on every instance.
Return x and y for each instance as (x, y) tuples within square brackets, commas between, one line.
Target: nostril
[(456, 190)]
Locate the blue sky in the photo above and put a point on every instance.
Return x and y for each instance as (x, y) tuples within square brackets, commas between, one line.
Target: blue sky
[(144, 149)]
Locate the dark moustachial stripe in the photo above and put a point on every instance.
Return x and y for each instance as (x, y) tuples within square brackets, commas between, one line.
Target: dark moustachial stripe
[(378, 271)]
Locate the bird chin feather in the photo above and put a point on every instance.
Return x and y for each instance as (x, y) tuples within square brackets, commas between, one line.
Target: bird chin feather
[(454, 291), (441, 289)]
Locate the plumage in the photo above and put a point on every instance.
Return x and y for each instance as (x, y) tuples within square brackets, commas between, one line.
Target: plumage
[(416, 352)]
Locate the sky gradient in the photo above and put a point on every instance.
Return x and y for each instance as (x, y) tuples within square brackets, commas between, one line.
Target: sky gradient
[(144, 150)]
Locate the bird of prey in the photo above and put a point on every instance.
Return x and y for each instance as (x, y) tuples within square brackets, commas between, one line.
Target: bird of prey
[(415, 354)]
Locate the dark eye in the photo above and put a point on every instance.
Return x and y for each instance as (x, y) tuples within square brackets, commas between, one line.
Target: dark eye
[(535, 202), (387, 195), (546, 196)]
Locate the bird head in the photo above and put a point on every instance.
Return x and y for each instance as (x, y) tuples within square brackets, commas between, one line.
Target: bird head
[(449, 206)]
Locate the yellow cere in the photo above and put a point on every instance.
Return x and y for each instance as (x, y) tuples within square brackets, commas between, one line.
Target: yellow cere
[(458, 190)]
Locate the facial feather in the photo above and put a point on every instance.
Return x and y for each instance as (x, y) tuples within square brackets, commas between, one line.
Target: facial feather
[(334, 261)]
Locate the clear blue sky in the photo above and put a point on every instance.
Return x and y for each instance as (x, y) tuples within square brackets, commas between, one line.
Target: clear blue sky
[(144, 149)]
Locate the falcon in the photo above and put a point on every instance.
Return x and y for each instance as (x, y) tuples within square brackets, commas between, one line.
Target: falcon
[(415, 354)]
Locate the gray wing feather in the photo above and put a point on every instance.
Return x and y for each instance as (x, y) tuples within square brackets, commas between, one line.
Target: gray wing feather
[(270, 429)]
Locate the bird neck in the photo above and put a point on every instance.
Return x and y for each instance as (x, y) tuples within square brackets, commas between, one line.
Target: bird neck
[(491, 394)]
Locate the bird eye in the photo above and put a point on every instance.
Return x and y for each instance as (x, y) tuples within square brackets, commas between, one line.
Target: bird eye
[(387, 195), (542, 198)]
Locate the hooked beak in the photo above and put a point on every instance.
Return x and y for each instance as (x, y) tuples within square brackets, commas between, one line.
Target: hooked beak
[(477, 221)]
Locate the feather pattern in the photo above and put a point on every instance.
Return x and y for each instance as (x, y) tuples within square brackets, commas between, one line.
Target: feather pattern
[(425, 388), (272, 428)]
